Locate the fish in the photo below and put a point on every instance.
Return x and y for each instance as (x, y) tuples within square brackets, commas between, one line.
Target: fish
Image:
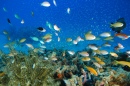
[(124, 63), (45, 4), (106, 44), (71, 52), (8, 20), (75, 42), (105, 34), (122, 36), (16, 16), (68, 10), (113, 54), (32, 13), (86, 59), (30, 46), (54, 2), (41, 29), (84, 53), (93, 46), (92, 70), (79, 39), (110, 38), (48, 40), (69, 39), (56, 28), (34, 38), (89, 36), (4, 9), (22, 21), (5, 32), (103, 52), (50, 26), (120, 46), (119, 25), (22, 40), (47, 36), (97, 64)]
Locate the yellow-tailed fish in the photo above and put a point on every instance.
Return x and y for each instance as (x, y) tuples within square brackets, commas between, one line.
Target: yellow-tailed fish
[(92, 70)]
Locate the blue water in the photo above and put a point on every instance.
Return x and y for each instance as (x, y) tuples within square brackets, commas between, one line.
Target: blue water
[(85, 15)]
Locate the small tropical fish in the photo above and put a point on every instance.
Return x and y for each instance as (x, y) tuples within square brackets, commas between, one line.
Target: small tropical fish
[(45, 4), (113, 54), (123, 63), (58, 39), (79, 39), (16, 16), (47, 36), (103, 52), (68, 10), (92, 70), (97, 59), (106, 44), (56, 28), (97, 64), (34, 38), (48, 40), (32, 13), (54, 2), (128, 51), (119, 25), (75, 42), (71, 52), (122, 36), (5, 32), (30, 46), (4, 9), (93, 46), (41, 29), (101, 63), (42, 42), (22, 21), (6, 46), (8, 20), (89, 36), (49, 25), (22, 40), (105, 34), (69, 39), (86, 59), (84, 53), (109, 38), (120, 46)]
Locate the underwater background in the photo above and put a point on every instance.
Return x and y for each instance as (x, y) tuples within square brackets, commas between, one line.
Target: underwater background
[(51, 42), (85, 15)]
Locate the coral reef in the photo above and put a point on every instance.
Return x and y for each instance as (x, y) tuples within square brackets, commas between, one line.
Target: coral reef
[(27, 70)]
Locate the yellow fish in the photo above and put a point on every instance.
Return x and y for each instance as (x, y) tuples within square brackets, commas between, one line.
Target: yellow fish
[(86, 59), (22, 40), (92, 70), (123, 63), (97, 59)]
